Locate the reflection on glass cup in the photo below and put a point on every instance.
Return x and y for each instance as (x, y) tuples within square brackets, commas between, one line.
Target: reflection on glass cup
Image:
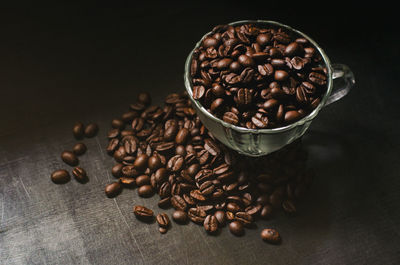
[(258, 142)]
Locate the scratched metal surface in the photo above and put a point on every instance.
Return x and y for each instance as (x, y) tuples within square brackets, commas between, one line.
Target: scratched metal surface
[(62, 65)]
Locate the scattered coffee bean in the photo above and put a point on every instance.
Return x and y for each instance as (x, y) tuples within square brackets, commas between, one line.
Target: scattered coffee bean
[(113, 189), (210, 224), (78, 130), (127, 182), (143, 180), (145, 191), (163, 220), (91, 130), (162, 230), (60, 176), (144, 98), (79, 149), (80, 174), (236, 228), (180, 217), (271, 236), (143, 213), (116, 170), (221, 218), (69, 158), (118, 124)]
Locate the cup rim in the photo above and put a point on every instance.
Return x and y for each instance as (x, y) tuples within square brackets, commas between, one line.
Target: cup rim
[(309, 117)]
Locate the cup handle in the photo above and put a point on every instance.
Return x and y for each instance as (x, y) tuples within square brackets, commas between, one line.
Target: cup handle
[(343, 80)]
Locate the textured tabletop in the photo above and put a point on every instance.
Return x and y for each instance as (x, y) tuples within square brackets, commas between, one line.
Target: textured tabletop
[(65, 64)]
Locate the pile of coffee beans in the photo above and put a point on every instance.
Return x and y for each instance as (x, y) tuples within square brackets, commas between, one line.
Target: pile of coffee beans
[(257, 77), (166, 150), (62, 176)]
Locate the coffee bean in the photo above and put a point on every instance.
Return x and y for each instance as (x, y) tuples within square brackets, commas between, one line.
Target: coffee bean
[(178, 203), (271, 236), (162, 230), (113, 189), (281, 75), (60, 176), (78, 130), (79, 149), (221, 218), (118, 124), (317, 78), (266, 211), (231, 118), (164, 203), (236, 228), (180, 217), (69, 158), (264, 39), (182, 136), (116, 170), (91, 130), (244, 218), (198, 92), (144, 98), (197, 215), (129, 171), (289, 207), (127, 182), (145, 191), (163, 220), (245, 60), (141, 162), (211, 224), (154, 162), (176, 163), (292, 116), (112, 146), (143, 213), (143, 180), (80, 174)]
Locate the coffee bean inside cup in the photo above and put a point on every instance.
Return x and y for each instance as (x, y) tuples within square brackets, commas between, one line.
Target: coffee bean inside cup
[(257, 77)]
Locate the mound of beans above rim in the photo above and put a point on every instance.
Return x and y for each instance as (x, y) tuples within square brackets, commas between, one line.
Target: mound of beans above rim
[(257, 77)]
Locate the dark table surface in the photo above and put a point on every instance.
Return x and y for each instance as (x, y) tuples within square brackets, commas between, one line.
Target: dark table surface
[(70, 63)]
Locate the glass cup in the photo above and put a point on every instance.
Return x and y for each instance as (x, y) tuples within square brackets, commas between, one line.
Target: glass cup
[(259, 142)]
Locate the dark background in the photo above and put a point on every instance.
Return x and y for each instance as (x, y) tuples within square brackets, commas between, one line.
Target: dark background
[(67, 63)]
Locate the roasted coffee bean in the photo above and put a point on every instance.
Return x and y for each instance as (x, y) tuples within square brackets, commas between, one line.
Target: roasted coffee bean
[(129, 171), (112, 146), (113, 189), (69, 158), (118, 124), (116, 170), (236, 228), (162, 230), (142, 180), (317, 78), (145, 191), (78, 130), (130, 145), (144, 98), (80, 174), (292, 116), (265, 69), (233, 207), (154, 162), (113, 133), (182, 136), (211, 224), (271, 236), (178, 203), (91, 130), (143, 213), (163, 220), (60, 176), (175, 163), (244, 218), (289, 207), (171, 131), (164, 203), (197, 215), (198, 92), (281, 75), (231, 118), (180, 217), (79, 149), (127, 182), (221, 218), (141, 162)]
